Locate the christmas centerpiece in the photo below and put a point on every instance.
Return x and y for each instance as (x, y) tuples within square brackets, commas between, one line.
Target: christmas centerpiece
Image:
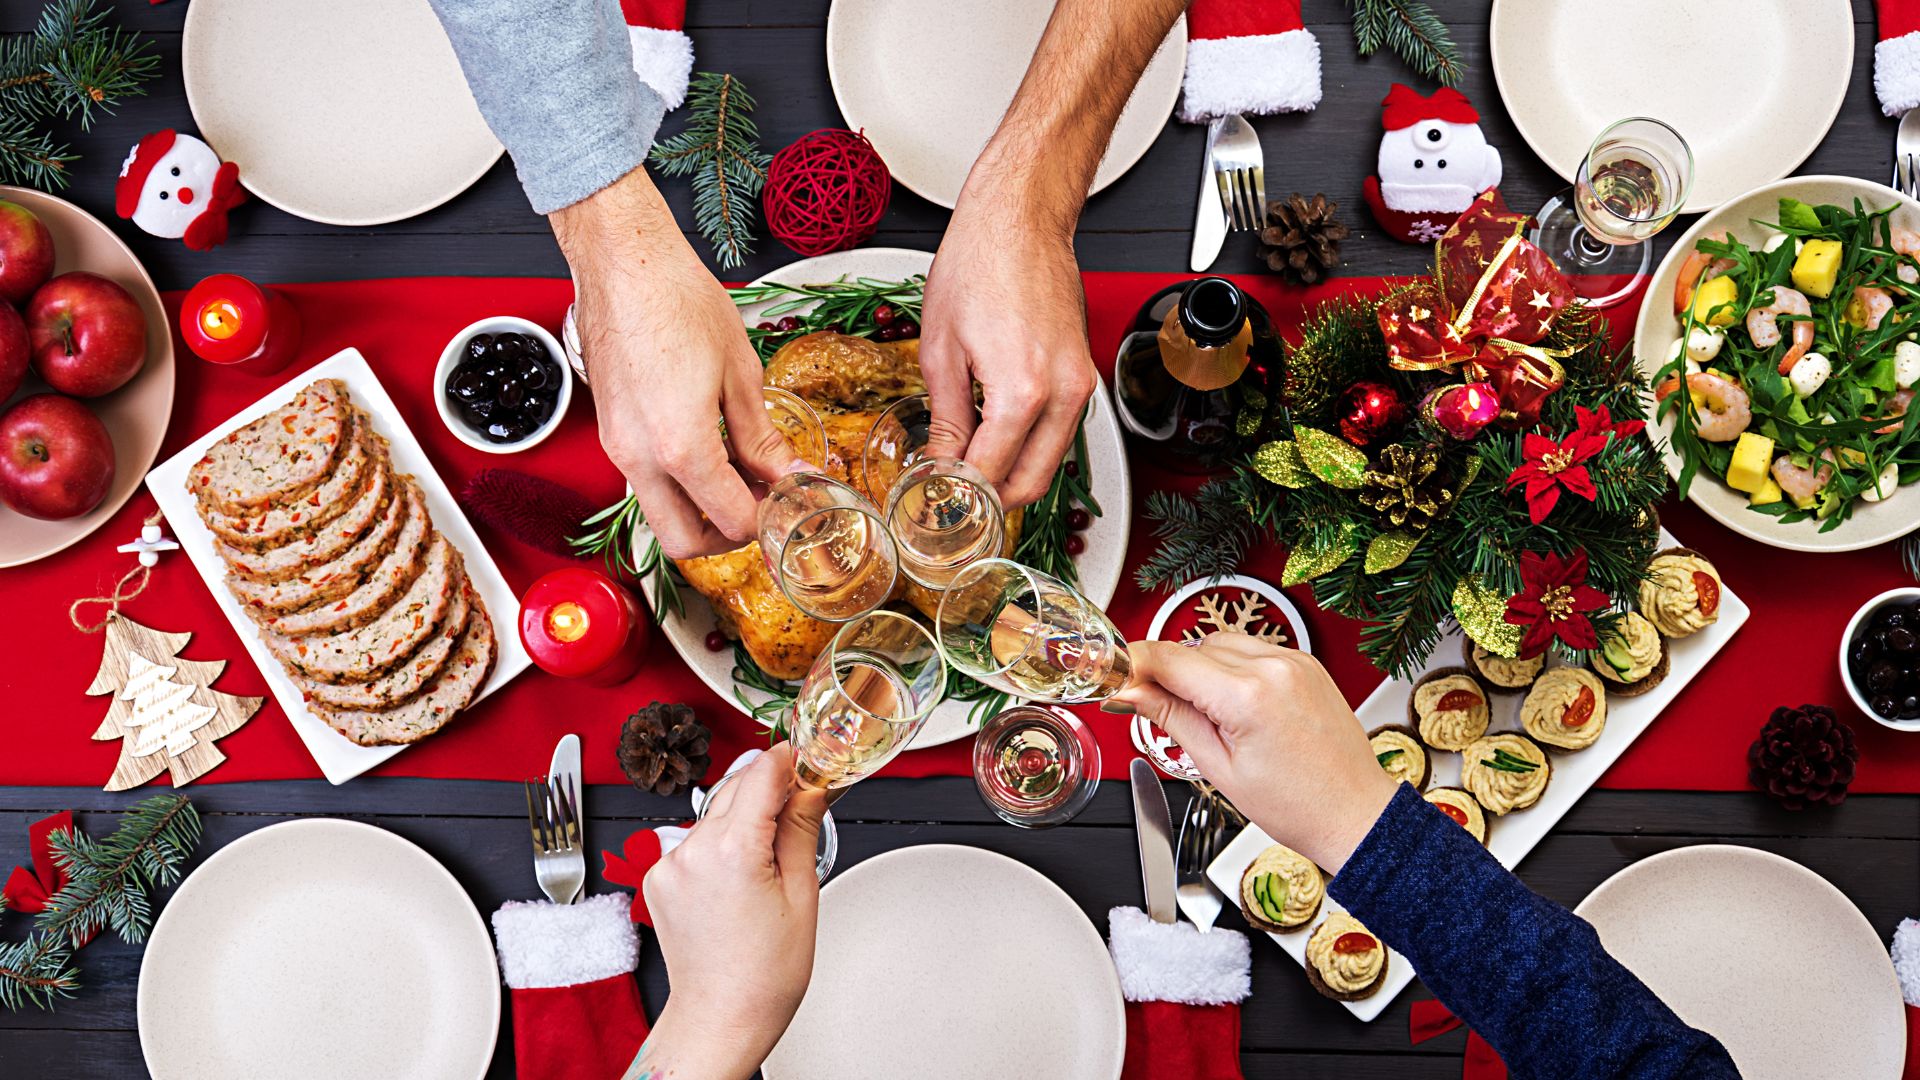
[(1464, 448)]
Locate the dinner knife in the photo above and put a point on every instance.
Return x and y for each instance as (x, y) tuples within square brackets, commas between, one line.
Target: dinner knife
[(565, 771), (1153, 825), (1209, 216)]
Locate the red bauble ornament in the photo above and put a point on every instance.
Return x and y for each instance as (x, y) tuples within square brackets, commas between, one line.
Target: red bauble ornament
[(1368, 410), (826, 192)]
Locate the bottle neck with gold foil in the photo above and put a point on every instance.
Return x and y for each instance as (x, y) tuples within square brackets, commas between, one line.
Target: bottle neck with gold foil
[(1206, 338)]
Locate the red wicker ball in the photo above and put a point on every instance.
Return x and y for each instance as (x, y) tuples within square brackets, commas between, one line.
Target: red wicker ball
[(826, 192)]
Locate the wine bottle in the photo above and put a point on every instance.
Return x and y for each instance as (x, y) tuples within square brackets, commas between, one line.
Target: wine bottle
[(1193, 379)]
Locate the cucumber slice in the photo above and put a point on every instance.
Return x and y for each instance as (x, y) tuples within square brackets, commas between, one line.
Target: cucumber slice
[(1270, 893), (1614, 652)]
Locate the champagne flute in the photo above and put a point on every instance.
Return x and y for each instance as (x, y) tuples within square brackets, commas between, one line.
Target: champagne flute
[(943, 513), (866, 696), (1630, 185), (1030, 634), (824, 542), (1036, 765)]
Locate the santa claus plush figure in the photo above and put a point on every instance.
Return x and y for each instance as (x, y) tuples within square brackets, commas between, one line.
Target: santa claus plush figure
[(175, 187), (1434, 161)]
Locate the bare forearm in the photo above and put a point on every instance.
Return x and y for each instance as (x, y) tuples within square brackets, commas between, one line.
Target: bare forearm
[(1055, 131)]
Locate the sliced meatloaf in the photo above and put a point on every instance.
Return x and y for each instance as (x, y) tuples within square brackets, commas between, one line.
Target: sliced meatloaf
[(367, 652), (403, 682), (322, 547), (282, 455), (290, 519), (339, 576), (454, 689), (377, 590)]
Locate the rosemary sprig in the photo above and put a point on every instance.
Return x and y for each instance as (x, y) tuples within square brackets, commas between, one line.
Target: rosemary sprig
[(612, 540), (1505, 761), (842, 305), (1044, 530), (770, 714)]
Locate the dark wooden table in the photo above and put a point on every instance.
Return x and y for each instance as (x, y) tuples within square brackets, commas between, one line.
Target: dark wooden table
[(1870, 847)]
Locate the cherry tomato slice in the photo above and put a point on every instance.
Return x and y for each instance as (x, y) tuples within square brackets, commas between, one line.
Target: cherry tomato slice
[(1458, 815), (1458, 700), (1580, 711), (1355, 943), (1709, 590)]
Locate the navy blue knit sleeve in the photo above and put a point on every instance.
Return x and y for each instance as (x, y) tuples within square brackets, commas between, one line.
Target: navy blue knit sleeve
[(1527, 974)]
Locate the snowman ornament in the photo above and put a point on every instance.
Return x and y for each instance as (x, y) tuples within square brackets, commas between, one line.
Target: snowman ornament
[(1434, 161), (175, 187)]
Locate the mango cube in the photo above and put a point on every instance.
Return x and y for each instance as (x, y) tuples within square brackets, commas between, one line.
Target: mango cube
[(1711, 294), (1752, 456), (1817, 268), (1768, 493)]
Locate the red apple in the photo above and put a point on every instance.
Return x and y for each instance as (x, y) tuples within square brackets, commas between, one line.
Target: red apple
[(89, 335), (15, 348), (26, 252), (56, 459)]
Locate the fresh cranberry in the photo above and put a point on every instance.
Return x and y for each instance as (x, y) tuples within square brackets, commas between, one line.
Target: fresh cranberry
[(766, 326), (716, 641), (1078, 519), (1073, 468), (789, 324), (1075, 544), (907, 327), (884, 315)]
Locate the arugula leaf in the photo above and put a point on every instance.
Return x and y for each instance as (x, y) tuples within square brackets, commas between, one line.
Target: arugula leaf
[(1795, 214)]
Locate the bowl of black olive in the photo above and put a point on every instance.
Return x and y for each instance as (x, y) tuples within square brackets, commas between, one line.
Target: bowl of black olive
[(1880, 659), (502, 385)]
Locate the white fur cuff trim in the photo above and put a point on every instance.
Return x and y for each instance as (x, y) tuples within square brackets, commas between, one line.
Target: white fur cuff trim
[(1261, 73), (1906, 959), (1176, 962), (664, 60), (1427, 198), (543, 944)]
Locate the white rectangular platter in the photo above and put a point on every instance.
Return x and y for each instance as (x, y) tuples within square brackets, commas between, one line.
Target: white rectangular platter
[(1509, 838), (340, 758)]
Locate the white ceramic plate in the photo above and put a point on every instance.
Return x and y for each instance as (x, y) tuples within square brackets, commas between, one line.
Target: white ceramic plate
[(928, 84), (135, 415), (319, 949), (1100, 565), (1763, 954), (1509, 838), (1752, 85), (340, 758), (348, 112), (943, 962), (1657, 329)]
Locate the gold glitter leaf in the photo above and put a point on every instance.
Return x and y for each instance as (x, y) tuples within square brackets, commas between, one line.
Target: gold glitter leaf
[(1482, 613), (1279, 462), (1331, 458), (1310, 561), (1389, 549)]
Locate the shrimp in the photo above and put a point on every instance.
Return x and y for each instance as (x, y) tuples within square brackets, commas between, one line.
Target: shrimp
[(1699, 266), (1724, 409), (1896, 411), (1763, 326), (1802, 484), (1906, 243), (1873, 305)]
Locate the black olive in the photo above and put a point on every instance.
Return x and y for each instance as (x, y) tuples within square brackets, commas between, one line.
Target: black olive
[(467, 385), (480, 411), (1902, 639), (536, 348), (477, 346), (1881, 676), (507, 430), (538, 406), (1885, 706), (511, 395), (1860, 653)]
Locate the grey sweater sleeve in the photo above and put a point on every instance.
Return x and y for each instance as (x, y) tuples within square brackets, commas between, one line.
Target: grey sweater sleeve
[(555, 80)]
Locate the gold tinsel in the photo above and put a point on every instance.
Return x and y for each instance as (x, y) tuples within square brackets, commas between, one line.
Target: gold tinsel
[(1405, 487), (1482, 613)]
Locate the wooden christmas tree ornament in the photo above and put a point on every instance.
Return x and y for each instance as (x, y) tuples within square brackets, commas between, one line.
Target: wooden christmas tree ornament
[(164, 709)]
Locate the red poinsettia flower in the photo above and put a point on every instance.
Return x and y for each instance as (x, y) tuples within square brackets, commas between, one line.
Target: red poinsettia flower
[(1600, 421), (1551, 466), (1553, 602)]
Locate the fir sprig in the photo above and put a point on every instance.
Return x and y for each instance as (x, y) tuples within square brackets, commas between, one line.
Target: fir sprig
[(1207, 536), (720, 150), (1413, 32), (1910, 555), (73, 65)]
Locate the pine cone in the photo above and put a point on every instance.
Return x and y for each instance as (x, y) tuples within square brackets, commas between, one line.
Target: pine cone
[(663, 748), (1301, 242), (1803, 757), (1406, 487)]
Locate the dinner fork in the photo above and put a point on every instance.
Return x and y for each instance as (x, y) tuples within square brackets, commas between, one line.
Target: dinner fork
[(1240, 170), (1199, 843), (559, 862), (1906, 155)]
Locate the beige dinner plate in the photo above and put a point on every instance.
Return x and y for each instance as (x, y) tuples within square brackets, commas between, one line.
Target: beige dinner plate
[(1763, 954), (942, 962), (347, 112), (135, 415), (319, 949), (928, 83), (1657, 329), (1101, 564), (1752, 85)]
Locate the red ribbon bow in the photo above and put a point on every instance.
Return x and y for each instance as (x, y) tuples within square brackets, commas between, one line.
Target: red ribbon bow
[(28, 891), (1493, 297), (1430, 1018)]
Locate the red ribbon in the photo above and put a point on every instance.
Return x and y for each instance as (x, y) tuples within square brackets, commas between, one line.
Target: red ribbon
[(1430, 1018), (29, 890)]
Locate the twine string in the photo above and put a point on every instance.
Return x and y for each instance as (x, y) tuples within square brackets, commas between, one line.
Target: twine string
[(123, 590)]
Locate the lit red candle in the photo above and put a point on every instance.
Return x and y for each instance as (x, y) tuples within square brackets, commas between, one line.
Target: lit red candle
[(578, 623), (227, 319)]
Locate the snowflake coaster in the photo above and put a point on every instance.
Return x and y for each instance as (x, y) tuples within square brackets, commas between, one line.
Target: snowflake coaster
[(1238, 603)]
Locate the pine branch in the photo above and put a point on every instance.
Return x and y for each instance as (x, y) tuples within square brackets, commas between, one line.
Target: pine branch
[(1413, 32), (74, 65), (30, 156), (1910, 555), (1206, 536), (36, 972), (110, 878), (719, 150)]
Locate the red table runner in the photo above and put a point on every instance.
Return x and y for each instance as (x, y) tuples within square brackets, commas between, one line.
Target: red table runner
[(1784, 655)]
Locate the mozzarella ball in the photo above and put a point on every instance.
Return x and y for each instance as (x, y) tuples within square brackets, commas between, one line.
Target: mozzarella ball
[(1885, 486), (1689, 365), (1809, 374), (1704, 344), (1906, 364), (1773, 243)]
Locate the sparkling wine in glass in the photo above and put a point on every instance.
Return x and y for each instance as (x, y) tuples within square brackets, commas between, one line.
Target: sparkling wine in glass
[(1632, 182), (1030, 634), (944, 516), (1036, 766)]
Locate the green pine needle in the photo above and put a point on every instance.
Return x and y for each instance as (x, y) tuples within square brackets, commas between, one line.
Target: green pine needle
[(73, 66), (1910, 555), (719, 149), (1413, 32)]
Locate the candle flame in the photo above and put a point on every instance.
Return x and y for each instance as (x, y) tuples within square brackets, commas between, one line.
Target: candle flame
[(567, 622), (220, 319)]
